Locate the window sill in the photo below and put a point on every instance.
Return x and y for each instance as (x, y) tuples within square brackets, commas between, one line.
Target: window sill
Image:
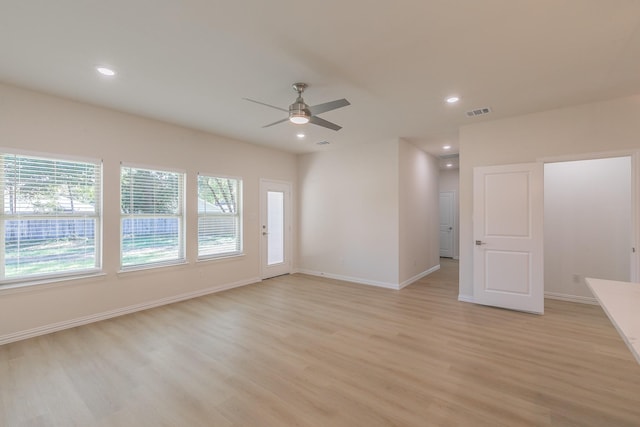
[(221, 258), (40, 284), (150, 268)]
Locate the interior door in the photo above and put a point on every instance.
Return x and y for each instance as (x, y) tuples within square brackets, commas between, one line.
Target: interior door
[(447, 203), (508, 217), (275, 228)]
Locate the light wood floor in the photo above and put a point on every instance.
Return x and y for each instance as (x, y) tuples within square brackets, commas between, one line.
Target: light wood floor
[(298, 350)]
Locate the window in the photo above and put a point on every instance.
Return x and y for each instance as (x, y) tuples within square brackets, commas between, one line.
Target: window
[(50, 217), (219, 220), (151, 204)]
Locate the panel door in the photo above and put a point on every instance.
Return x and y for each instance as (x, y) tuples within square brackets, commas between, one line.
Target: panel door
[(447, 200), (508, 237)]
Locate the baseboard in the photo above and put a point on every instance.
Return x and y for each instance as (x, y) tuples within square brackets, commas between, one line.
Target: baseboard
[(350, 279), (362, 281), (549, 295), (419, 276), (465, 298), (67, 324), (571, 298)]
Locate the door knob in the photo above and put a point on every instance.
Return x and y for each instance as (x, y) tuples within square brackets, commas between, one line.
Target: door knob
[(480, 242)]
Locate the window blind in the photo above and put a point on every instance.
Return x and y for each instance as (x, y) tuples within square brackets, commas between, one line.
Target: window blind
[(219, 216), (152, 216), (50, 220)]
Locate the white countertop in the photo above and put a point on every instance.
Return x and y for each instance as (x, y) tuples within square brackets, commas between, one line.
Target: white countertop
[(621, 302)]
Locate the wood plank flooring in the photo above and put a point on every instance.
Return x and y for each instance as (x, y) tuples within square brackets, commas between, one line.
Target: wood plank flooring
[(304, 351)]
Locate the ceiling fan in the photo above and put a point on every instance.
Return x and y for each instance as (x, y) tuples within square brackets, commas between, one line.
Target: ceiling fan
[(301, 113)]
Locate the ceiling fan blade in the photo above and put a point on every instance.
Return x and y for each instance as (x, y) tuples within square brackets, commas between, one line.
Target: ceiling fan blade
[(324, 123), (266, 105), (328, 106), (275, 123)]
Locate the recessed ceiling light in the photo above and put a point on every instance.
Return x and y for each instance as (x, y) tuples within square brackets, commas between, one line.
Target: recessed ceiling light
[(300, 135), (106, 71), (452, 99), (449, 165), (446, 147)]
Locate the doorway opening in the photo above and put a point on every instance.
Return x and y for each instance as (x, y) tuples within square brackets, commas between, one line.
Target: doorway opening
[(588, 225)]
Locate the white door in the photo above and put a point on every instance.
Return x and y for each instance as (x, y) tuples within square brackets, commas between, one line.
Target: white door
[(507, 230), (275, 229), (447, 204)]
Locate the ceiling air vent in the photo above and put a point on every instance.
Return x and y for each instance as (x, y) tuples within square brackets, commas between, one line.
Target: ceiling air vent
[(478, 112), (322, 143)]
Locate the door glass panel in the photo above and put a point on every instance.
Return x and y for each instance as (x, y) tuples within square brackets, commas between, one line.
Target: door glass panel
[(275, 227)]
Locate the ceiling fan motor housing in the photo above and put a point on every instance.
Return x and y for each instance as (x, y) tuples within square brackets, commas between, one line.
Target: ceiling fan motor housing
[(299, 109)]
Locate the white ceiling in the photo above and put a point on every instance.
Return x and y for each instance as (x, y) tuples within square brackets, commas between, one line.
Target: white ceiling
[(191, 62)]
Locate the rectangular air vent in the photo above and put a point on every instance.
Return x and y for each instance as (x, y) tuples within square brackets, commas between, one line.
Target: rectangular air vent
[(322, 143), (478, 112)]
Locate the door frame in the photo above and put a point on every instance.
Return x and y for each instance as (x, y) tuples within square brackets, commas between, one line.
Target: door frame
[(634, 154), (288, 226)]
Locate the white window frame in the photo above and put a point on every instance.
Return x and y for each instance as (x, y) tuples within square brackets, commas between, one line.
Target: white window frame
[(179, 215), (237, 215), (96, 216)]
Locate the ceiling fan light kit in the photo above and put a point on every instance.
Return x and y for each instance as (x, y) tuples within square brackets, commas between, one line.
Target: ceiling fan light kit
[(300, 113), (300, 119)]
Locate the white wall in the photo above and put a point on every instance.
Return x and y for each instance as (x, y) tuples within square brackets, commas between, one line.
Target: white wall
[(589, 128), (348, 213), (587, 224), (419, 248), (46, 124), (449, 180)]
